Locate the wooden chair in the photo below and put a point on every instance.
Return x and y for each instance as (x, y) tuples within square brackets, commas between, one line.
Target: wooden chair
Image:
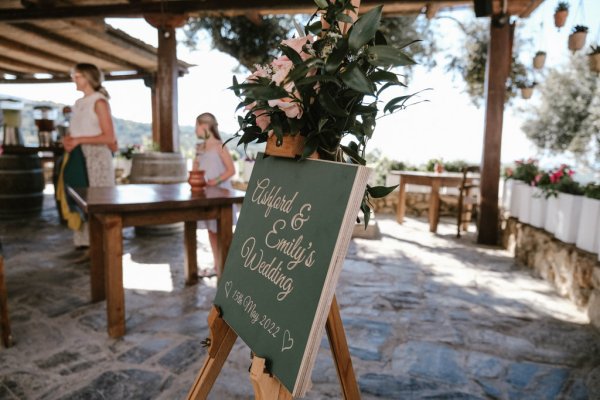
[(468, 198), (4, 322)]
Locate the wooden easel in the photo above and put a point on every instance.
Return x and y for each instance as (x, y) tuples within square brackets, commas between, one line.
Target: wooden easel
[(266, 386)]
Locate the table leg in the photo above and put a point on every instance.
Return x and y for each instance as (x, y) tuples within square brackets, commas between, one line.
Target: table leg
[(115, 299), (434, 205), (191, 261), (97, 271), (401, 208), (224, 235)]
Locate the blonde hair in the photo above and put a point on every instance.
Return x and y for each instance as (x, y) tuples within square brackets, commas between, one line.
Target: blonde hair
[(213, 125), (93, 75)]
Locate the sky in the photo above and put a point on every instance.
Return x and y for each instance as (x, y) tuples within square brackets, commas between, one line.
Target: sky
[(446, 126)]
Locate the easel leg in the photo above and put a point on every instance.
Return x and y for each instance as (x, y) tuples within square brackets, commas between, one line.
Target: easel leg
[(340, 353), (222, 339), (266, 387)]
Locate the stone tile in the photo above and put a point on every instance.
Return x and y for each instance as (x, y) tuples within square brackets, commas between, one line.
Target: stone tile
[(183, 355), (145, 350)]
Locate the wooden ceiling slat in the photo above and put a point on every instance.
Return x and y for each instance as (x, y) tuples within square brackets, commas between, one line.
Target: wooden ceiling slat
[(32, 52), (24, 66), (50, 35)]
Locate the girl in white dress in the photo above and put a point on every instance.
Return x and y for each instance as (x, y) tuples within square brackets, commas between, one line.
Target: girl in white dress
[(215, 160)]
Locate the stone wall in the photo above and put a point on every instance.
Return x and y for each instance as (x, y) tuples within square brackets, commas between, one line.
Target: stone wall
[(417, 204), (574, 272)]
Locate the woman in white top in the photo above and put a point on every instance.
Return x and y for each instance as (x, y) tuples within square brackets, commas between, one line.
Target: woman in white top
[(92, 128)]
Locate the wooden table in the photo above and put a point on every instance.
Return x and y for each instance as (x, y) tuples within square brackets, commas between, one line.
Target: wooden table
[(109, 209), (435, 181)]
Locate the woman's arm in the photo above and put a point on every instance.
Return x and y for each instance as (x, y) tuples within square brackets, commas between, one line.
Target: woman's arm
[(107, 131), (229, 168)]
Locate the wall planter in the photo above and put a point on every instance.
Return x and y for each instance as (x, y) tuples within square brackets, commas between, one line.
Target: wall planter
[(539, 60), (515, 197), (588, 238), (525, 194), (526, 92), (538, 208), (507, 192), (569, 211), (551, 214)]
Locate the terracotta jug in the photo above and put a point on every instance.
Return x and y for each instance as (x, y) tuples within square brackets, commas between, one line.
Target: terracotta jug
[(197, 181)]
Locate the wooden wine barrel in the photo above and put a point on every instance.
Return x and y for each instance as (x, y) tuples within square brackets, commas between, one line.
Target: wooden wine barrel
[(157, 167), (21, 185)]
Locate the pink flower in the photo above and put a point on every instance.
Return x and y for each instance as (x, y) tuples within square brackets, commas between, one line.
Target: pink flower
[(292, 109), (297, 44), (282, 67), (259, 73)]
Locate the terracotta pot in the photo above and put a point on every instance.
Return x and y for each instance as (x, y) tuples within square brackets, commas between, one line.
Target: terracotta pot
[(526, 92), (577, 40), (292, 146), (539, 60), (197, 181), (560, 17), (595, 62)]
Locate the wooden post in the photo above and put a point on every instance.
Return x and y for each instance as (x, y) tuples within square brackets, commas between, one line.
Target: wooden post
[(150, 82), (497, 70), (166, 79), (191, 261), (4, 321)]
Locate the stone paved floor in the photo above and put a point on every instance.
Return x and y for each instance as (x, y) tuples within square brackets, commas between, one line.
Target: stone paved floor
[(426, 316)]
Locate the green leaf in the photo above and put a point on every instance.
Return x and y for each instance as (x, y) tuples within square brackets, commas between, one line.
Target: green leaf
[(321, 3), (258, 91), (396, 102), (366, 212), (400, 47), (380, 191), (330, 105), (310, 146), (364, 28), (383, 76), (341, 17), (353, 154), (387, 56), (356, 79), (235, 86), (317, 78), (315, 28), (291, 54), (337, 56)]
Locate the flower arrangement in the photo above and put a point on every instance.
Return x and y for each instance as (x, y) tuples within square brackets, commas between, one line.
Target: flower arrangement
[(592, 190), (325, 87), (525, 171), (561, 181), (130, 150)]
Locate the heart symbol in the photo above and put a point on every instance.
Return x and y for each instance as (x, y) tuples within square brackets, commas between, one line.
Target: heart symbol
[(228, 288), (288, 342)]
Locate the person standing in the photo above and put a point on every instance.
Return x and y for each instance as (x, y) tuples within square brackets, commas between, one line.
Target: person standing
[(215, 160), (90, 142)]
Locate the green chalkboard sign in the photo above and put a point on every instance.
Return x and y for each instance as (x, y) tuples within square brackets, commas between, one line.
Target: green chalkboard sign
[(287, 251)]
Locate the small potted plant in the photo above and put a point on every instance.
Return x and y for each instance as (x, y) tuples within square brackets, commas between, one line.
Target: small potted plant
[(539, 60), (569, 204), (524, 174), (526, 87), (560, 14), (594, 58), (539, 199), (588, 237), (577, 37)]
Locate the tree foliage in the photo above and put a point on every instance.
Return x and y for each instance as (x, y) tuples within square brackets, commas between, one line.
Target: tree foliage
[(252, 43), (470, 64), (567, 117)]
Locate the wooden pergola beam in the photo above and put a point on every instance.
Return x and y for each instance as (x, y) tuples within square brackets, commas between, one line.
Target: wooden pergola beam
[(21, 65), (138, 9), (32, 51), (66, 78), (49, 35)]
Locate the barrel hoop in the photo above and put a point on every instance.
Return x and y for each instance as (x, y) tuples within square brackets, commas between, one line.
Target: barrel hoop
[(20, 171), (20, 196)]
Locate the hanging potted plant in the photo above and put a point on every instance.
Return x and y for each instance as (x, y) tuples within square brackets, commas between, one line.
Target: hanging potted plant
[(526, 87), (594, 58), (577, 38), (560, 14), (569, 204), (588, 237), (539, 60)]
